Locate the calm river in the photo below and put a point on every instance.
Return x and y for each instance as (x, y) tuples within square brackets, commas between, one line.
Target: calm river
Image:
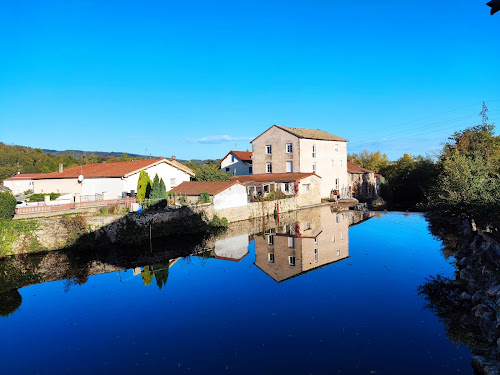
[(316, 292)]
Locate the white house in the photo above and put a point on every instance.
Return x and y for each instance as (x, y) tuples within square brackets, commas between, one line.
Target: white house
[(223, 194), (238, 163), (110, 180), (20, 183)]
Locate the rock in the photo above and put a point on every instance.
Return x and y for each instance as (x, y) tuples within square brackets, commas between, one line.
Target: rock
[(467, 274), (477, 298), (493, 291), (465, 296), (482, 366)]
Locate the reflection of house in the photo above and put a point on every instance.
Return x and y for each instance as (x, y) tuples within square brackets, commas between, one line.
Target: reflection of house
[(362, 182), (223, 194), (312, 241), (20, 183), (113, 180), (305, 186), (282, 149), (237, 163), (232, 248)]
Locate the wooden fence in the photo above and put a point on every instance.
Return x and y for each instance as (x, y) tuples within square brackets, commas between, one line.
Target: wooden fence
[(126, 202)]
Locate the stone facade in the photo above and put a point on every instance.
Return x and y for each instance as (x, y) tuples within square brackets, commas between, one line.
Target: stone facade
[(326, 158)]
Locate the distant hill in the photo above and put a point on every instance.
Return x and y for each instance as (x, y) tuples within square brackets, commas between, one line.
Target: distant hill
[(102, 154), (113, 154)]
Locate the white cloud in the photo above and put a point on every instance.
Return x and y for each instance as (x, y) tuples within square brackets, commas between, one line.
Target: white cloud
[(214, 139)]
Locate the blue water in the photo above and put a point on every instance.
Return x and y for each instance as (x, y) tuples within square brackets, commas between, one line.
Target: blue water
[(358, 315)]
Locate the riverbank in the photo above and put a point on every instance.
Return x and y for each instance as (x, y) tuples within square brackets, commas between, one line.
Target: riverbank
[(469, 305)]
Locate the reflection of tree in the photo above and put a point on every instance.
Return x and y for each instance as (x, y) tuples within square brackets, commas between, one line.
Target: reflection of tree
[(147, 276), (158, 271), (443, 299), (9, 302)]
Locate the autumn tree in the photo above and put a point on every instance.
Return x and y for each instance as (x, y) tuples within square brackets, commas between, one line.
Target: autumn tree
[(143, 187), (374, 161)]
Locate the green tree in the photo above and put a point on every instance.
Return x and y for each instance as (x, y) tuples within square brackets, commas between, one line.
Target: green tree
[(374, 161), (469, 181), (155, 189), (163, 189), (7, 205), (143, 187), (211, 172), (204, 198)]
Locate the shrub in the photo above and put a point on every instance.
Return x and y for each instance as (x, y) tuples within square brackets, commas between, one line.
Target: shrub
[(204, 198), (75, 225), (41, 196), (7, 205)]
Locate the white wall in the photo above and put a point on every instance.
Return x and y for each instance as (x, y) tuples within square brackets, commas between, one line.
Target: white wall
[(113, 187), (237, 168), (232, 248), (325, 156), (235, 196), (19, 186), (164, 170)]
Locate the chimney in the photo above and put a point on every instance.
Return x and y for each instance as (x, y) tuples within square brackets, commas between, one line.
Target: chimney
[(60, 167), (173, 157)]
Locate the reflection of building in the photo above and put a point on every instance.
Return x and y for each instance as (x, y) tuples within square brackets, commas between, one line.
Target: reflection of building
[(316, 238), (232, 248)]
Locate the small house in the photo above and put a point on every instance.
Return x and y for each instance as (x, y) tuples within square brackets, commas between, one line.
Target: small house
[(223, 194), (237, 162)]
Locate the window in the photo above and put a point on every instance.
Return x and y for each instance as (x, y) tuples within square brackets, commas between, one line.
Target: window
[(314, 167), (269, 149), (291, 242), (289, 166), (270, 239), (338, 218), (314, 151), (172, 181), (337, 184), (227, 169), (333, 238), (269, 168), (289, 148), (307, 225), (315, 255), (305, 188), (270, 257), (338, 252), (333, 163), (250, 170), (341, 236), (336, 147), (232, 158), (315, 240), (291, 261), (286, 187), (340, 162)]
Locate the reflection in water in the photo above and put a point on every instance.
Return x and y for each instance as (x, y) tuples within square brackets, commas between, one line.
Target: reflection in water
[(292, 248), (295, 243)]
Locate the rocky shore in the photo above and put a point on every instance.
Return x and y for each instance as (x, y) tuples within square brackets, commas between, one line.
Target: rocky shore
[(469, 306)]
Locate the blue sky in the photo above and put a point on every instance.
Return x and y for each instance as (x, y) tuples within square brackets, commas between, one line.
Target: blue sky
[(195, 78)]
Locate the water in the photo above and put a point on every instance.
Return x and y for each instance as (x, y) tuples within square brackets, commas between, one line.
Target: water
[(318, 297)]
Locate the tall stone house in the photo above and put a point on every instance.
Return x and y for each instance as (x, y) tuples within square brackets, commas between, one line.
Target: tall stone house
[(282, 149)]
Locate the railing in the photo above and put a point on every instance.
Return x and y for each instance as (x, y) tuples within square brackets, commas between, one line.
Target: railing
[(74, 206)]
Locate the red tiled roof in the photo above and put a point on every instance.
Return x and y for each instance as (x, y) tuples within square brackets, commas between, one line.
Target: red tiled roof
[(25, 176), (354, 168), (198, 187), (245, 156), (273, 177), (118, 169)]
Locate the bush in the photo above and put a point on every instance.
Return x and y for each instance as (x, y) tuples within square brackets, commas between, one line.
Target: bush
[(204, 198), (41, 196), (7, 205)]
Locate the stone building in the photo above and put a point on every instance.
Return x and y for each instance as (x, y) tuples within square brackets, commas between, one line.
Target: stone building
[(282, 149), (362, 182)]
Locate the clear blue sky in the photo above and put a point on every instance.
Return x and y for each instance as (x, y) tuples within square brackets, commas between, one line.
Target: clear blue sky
[(196, 78)]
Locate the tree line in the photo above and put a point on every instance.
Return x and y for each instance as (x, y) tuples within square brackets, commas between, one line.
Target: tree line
[(462, 181)]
